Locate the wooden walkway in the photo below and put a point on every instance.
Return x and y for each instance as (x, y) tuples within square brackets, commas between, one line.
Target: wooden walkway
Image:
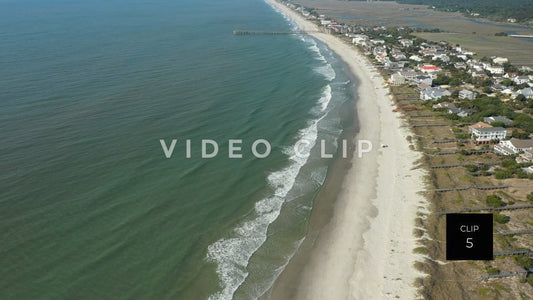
[(465, 164), (514, 252), (477, 187), (489, 208), (503, 274), (463, 152), (505, 232)]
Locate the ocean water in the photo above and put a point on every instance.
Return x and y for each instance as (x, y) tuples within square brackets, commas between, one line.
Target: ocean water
[(90, 207)]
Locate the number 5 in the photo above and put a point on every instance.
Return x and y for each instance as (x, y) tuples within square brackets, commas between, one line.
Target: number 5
[(469, 243)]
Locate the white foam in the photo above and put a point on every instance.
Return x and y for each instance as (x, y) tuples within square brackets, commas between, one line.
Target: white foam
[(326, 98), (232, 254)]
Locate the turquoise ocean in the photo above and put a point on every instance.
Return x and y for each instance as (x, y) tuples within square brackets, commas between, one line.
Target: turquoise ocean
[(90, 207)]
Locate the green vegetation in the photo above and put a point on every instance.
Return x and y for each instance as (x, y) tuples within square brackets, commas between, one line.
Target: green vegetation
[(524, 261), (530, 197), (502, 219), (510, 168), (495, 201), (499, 10)]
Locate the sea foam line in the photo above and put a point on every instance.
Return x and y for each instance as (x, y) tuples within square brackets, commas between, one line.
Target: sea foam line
[(232, 254)]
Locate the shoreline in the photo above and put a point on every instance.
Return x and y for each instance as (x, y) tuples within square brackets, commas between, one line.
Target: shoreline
[(366, 246)]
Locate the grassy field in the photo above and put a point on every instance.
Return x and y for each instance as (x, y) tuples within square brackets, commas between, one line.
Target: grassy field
[(458, 29)]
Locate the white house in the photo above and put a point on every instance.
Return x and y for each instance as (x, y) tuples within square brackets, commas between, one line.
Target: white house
[(501, 119), (466, 94), (406, 42), (433, 93), (397, 79), (521, 79), (415, 58), (498, 70), (500, 60), (527, 92), (513, 146), (484, 135)]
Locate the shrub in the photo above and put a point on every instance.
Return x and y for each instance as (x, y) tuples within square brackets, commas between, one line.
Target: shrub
[(503, 175), (530, 196), (502, 219), (495, 201)]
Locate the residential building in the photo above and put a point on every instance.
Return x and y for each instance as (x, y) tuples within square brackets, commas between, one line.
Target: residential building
[(500, 60), (466, 94), (397, 79), (461, 112), (527, 156), (499, 119), (521, 79), (406, 42), (429, 69), (433, 93), (527, 92), (497, 70), (513, 146), (482, 133)]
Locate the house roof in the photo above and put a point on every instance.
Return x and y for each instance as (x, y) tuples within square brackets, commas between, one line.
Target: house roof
[(490, 129), (493, 119), (430, 67), (480, 125), (521, 143)]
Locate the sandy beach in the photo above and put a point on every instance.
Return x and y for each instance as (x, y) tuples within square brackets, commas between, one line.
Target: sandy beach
[(365, 251)]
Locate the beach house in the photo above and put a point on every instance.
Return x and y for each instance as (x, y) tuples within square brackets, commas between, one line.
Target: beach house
[(483, 133), (513, 146), (433, 93)]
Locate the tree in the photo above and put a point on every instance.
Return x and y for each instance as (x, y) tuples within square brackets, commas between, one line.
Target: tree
[(507, 82), (520, 135), (455, 82)]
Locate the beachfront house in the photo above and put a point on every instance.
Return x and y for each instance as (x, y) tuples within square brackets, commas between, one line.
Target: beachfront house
[(433, 93), (397, 79), (513, 146), (483, 133), (498, 119)]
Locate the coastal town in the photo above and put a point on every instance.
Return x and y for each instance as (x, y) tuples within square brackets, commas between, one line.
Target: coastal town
[(471, 116)]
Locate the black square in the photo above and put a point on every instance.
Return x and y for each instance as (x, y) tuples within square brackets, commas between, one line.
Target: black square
[(469, 237)]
